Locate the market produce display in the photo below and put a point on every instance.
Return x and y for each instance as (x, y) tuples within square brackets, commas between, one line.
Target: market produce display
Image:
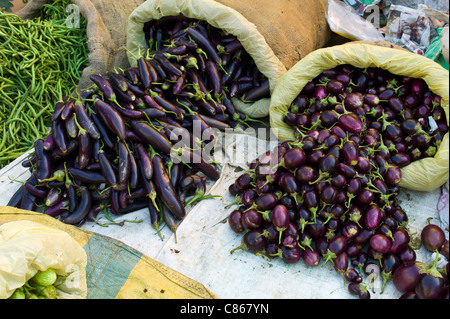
[(40, 286), (41, 60), (331, 195), (116, 146)]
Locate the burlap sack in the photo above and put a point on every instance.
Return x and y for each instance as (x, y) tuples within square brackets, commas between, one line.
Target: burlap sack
[(292, 28), (106, 32)]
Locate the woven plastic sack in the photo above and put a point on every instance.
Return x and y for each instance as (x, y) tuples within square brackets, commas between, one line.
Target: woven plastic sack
[(254, 23), (28, 246), (422, 175), (113, 270)]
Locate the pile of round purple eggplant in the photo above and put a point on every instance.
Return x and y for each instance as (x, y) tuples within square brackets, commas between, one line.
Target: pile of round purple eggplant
[(113, 146), (331, 196)]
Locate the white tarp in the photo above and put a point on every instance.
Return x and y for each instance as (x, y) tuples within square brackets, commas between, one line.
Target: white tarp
[(204, 241)]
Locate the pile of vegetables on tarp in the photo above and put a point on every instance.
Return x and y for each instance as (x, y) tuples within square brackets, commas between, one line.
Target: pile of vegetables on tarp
[(41, 60), (129, 142), (329, 193)]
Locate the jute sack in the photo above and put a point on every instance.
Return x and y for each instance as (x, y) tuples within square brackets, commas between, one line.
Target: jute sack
[(106, 32), (275, 34), (423, 175)]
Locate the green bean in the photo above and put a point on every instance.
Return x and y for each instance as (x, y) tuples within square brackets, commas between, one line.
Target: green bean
[(41, 61)]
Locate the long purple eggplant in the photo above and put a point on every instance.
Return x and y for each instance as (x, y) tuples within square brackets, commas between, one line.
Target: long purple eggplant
[(71, 127), (145, 160), (111, 117), (107, 136), (214, 79), (15, 200), (204, 43), (232, 68), (92, 177), (155, 214), (256, 93), (170, 220), (107, 170), (83, 208), (68, 109), (72, 146), (154, 75), (153, 113), (166, 64), (144, 73), (60, 135), (28, 201), (84, 149), (85, 120), (132, 74), (124, 164), (148, 185), (104, 85), (151, 136), (134, 171), (212, 122), (164, 188), (59, 106), (44, 161), (171, 109), (196, 160), (118, 80)]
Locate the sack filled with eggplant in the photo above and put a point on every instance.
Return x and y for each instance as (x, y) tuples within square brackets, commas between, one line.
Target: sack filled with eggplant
[(213, 32), (400, 97)]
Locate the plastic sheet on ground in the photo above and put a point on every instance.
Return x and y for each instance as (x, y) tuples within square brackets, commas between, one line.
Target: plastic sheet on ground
[(204, 239)]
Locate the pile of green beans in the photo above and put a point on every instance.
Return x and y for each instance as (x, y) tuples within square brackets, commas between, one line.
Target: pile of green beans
[(41, 61)]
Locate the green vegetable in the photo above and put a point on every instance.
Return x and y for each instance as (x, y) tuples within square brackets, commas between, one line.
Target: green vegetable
[(48, 292), (18, 294), (41, 61), (40, 286), (45, 278)]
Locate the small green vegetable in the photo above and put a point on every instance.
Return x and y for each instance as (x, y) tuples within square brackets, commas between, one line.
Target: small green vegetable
[(48, 292), (18, 294), (41, 61), (45, 278)]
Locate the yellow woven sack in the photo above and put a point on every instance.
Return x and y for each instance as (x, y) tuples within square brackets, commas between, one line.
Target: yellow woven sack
[(113, 269), (423, 175)]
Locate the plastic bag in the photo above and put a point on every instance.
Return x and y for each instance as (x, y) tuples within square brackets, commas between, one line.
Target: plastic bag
[(27, 246), (435, 50), (409, 28), (346, 22), (249, 32), (422, 175)]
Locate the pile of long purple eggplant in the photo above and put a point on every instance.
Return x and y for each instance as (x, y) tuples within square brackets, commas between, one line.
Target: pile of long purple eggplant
[(112, 147), (331, 196)]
